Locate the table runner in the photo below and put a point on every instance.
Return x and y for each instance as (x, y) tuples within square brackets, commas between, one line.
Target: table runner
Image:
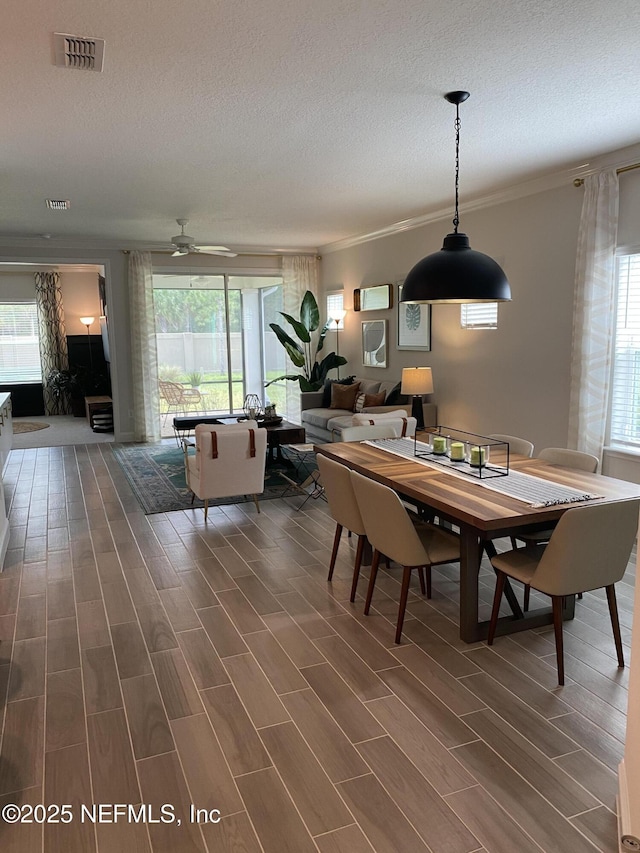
[(534, 491)]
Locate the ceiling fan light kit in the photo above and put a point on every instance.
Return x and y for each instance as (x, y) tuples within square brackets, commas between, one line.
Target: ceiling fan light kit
[(456, 273), (185, 244)]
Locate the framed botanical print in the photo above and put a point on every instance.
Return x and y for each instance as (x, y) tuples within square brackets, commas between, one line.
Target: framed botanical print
[(414, 325), (374, 343)]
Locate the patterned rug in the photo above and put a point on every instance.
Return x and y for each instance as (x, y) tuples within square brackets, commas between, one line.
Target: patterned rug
[(156, 475), (20, 427)]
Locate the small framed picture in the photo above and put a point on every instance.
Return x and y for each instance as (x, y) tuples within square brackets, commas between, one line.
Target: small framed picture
[(374, 343), (414, 325)]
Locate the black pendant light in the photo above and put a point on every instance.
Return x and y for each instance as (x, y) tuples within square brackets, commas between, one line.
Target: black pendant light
[(456, 273)]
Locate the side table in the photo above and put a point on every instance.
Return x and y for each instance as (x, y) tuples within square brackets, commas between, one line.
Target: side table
[(99, 411)]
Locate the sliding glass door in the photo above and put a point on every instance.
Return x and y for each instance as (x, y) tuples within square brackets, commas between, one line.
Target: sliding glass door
[(214, 341)]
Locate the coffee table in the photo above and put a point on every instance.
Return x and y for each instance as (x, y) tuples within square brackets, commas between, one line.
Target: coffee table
[(278, 434)]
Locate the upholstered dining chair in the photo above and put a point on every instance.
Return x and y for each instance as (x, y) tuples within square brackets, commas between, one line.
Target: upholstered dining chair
[(576, 459), (343, 508), (228, 460), (364, 433), (392, 531), (589, 549), (516, 445)]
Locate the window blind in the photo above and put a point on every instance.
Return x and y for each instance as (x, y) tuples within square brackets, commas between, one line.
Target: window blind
[(479, 315), (19, 347), (625, 387)]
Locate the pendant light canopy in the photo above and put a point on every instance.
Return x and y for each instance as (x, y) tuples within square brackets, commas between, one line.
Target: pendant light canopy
[(456, 273)]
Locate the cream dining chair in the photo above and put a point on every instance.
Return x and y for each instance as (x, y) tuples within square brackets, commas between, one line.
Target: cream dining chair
[(516, 445), (343, 507), (228, 460), (393, 532), (589, 549)]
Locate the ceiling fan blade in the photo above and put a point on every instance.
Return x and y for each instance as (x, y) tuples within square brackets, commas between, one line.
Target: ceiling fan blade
[(226, 253), (180, 251), (204, 248)]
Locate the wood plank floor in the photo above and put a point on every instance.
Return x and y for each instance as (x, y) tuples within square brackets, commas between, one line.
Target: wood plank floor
[(157, 660)]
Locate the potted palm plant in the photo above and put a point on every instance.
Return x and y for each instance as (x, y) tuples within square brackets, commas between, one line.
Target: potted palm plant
[(305, 353)]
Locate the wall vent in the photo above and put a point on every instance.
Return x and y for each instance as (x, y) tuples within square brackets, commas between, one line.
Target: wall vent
[(85, 54), (58, 204)]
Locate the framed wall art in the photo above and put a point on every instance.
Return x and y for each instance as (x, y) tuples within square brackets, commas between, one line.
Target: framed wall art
[(414, 325), (374, 343), (375, 298)]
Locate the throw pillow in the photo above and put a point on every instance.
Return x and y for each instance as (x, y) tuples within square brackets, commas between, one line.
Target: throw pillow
[(394, 397), (363, 401), (344, 396), (326, 391)]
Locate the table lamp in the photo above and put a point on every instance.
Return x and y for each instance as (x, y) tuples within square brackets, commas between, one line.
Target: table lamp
[(417, 381)]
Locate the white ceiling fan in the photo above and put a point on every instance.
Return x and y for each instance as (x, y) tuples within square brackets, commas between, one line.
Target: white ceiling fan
[(185, 244)]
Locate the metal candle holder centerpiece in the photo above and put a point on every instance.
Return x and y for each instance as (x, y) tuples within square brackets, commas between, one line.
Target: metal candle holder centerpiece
[(476, 455), (252, 407)]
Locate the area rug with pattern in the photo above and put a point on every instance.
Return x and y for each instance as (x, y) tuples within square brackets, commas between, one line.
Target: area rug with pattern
[(156, 474)]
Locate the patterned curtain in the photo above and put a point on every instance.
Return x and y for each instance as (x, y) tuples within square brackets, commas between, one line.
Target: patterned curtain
[(53, 339), (146, 404), (594, 314), (299, 274)]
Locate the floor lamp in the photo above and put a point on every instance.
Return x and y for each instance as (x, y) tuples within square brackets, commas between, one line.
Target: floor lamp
[(88, 321), (417, 381), (337, 315)]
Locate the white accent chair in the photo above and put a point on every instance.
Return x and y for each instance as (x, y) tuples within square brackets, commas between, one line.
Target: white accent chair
[(589, 549), (229, 460)]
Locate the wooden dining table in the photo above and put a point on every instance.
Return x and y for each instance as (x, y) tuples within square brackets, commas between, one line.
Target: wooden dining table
[(481, 515)]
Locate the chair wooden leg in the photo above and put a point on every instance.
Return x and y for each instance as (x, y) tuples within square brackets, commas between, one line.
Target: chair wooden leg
[(372, 581), (356, 567), (615, 622), (427, 572), (193, 497), (206, 508), (497, 598), (527, 595), (404, 592), (334, 553), (255, 500), (423, 588), (557, 629)]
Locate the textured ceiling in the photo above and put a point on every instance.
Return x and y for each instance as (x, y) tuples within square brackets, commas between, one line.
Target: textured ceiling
[(296, 123)]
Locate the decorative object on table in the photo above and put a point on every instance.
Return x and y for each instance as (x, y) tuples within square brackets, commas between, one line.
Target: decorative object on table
[(270, 415), (314, 372), (374, 343), (337, 315), (417, 381), (467, 452), (456, 273), (414, 325), (375, 298), (252, 407), (88, 321)]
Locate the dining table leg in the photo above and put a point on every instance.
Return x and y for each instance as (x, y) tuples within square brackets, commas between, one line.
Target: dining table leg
[(470, 552)]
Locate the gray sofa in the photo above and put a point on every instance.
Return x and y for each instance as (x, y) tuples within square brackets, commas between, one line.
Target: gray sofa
[(323, 425)]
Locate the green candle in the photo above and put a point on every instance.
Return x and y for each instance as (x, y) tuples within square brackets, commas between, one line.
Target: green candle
[(439, 444), (477, 457), (456, 450)]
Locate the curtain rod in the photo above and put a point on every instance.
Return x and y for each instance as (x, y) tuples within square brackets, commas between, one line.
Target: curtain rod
[(578, 182)]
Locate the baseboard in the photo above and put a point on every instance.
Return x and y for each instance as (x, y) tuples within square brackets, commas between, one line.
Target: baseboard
[(627, 832)]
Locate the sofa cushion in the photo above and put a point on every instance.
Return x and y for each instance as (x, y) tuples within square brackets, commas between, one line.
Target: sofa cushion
[(403, 425), (369, 386), (326, 390), (337, 424), (365, 400), (344, 396), (394, 397), (320, 417)]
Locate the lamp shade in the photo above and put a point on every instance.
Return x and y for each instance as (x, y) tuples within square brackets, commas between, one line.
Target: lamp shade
[(87, 321), (456, 274), (416, 380), (337, 314)]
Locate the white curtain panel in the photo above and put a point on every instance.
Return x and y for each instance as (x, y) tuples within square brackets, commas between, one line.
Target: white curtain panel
[(594, 313), (299, 274), (146, 406)]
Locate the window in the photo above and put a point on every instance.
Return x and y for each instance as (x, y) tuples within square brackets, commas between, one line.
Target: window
[(479, 315), (625, 386), (19, 347), (335, 302)]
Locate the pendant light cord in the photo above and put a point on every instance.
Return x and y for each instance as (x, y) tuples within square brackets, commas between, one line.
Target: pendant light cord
[(456, 218)]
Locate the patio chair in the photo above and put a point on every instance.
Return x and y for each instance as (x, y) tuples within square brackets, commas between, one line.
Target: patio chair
[(179, 398)]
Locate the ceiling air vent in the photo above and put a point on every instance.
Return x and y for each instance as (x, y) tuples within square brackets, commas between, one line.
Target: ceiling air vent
[(58, 204), (86, 54)]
